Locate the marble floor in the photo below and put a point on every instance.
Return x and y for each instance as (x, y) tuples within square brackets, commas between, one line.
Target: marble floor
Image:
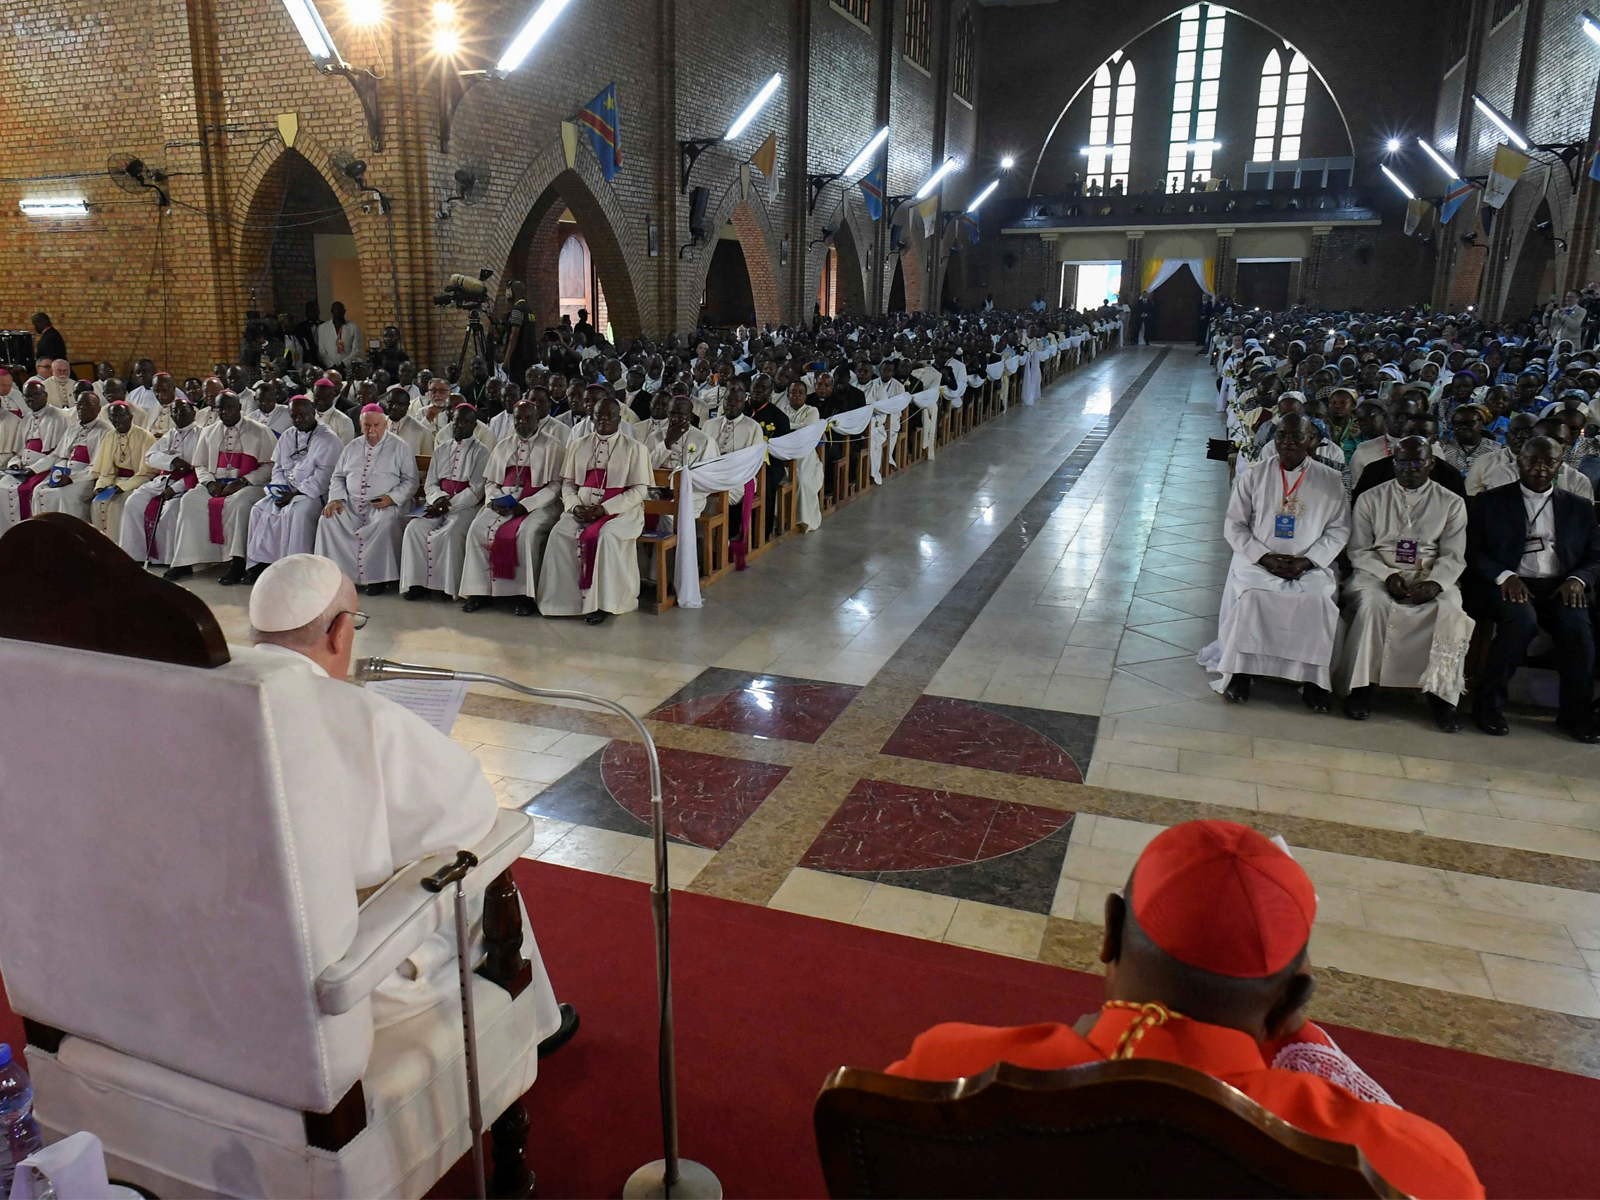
[(959, 710)]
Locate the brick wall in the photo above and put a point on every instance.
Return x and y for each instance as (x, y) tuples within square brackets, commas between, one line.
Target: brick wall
[(199, 88)]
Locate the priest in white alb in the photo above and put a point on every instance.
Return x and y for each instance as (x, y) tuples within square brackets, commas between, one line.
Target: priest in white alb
[(119, 466), (590, 566), (369, 496), (28, 466), (233, 461), (522, 502), (1404, 623), (284, 521), (1287, 521), (436, 538), (150, 515), (71, 482), (808, 467)]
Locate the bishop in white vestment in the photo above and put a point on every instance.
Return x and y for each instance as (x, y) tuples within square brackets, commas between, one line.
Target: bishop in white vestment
[(678, 446), (1287, 521), (233, 462), (71, 482), (436, 538), (590, 567), (150, 516), (522, 502), (37, 440), (1404, 623), (284, 521), (373, 485)]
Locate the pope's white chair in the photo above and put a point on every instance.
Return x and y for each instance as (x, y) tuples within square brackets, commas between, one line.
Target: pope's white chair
[(182, 938)]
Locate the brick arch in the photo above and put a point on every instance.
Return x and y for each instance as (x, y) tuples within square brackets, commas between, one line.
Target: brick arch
[(1538, 196), (259, 195), (911, 271), (1134, 24), (853, 232), (754, 226), (1528, 259), (613, 241)]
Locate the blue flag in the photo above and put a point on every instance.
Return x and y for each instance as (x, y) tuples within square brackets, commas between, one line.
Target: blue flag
[(599, 118), (969, 222), (872, 189), (1459, 190)]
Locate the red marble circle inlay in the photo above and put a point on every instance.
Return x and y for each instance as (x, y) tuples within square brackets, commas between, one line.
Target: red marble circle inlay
[(795, 712), (939, 729), (704, 797)]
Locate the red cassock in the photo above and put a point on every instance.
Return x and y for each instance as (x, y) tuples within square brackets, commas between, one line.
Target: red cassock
[(1413, 1154)]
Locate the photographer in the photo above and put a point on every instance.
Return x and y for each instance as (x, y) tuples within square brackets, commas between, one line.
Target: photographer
[(522, 345)]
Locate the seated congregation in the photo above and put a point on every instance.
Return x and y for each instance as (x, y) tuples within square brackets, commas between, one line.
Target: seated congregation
[(557, 494), (1412, 508)]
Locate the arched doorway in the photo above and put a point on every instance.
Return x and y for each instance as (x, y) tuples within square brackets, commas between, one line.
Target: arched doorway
[(729, 299), (851, 289), (897, 288), (1177, 303), (1533, 278), (307, 251)]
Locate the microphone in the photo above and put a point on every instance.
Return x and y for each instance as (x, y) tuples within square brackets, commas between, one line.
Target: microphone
[(372, 670)]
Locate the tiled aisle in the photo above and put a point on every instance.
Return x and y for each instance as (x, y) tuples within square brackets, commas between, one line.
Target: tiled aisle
[(959, 710)]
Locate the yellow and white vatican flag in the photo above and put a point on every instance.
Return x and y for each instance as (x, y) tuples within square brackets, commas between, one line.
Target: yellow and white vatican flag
[(1509, 164)]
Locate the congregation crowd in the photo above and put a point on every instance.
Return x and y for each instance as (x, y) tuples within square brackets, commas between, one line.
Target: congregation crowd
[(1413, 503), (477, 486)]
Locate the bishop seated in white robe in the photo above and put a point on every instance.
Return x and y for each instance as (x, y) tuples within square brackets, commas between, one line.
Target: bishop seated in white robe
[(71, 482), (373, 485), (522, 502), (233, 461), (729, 431), (590, 566), (1404, 623), (28, 465), (1287, 521), (150, 516), (436, 538), (677, 446), (403, 791), (284, 521)]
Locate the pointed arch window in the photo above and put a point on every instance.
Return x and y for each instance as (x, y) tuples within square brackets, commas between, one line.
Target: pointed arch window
[(1111, 123), (1281, 112)]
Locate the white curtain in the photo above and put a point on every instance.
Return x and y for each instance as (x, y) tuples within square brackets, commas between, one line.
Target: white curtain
[(1170, 267)]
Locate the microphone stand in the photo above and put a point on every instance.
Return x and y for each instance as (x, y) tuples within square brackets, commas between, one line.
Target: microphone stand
[(669, 1175)]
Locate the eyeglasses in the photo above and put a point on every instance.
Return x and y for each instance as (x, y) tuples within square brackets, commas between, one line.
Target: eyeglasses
[(358, 620)]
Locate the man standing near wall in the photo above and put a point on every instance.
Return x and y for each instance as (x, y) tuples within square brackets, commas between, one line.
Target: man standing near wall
[(50, 342)]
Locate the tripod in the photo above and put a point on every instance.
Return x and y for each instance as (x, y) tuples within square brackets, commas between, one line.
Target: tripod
[(476, 338)]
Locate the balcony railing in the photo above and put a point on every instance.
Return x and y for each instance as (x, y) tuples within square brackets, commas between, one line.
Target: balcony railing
[(1277, 207)]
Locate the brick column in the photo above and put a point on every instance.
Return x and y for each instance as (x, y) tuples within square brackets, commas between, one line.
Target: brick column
[(1132, 267), (1310, 275), (1226, 269), (1069, 284)]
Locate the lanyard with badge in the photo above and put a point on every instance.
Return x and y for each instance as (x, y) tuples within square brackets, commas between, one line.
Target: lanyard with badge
[(1534, 543), (1405, 549), (1289, 507)]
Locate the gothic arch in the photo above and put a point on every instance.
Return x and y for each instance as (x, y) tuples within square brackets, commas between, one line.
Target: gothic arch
[(1088, 80), (754, 225), (854, 231)]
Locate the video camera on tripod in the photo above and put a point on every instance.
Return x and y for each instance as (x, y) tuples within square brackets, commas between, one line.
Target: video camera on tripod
[(465, 292)]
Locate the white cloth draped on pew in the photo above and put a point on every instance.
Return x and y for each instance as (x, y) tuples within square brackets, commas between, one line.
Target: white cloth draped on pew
[(928, 401)]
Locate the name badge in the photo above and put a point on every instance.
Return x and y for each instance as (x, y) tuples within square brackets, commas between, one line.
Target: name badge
[(1283, 525), (1405, 551), (1533, 545)]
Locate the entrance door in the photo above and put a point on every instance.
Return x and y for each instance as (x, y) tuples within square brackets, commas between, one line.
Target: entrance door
[(1264, 285), (573, 274), (1177, 308)]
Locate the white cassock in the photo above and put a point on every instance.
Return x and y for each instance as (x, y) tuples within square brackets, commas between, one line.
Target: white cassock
[(807, 469), (505, 546), (883, 431), (615, 473), (59, 391), (1422, 535), (10, 427), (414, 433), (217, 528), (37, 441), (149, 524), (1280, 627), (363, 540), (433, 547), (303, 463), (1367, 453), (279, 420), (1031, 374), (338, 346), (119, 465), (402, 791), (738, 434), (585, 426), (74, 459), (692, 448), (341, 425), (11, 402), (1499, 466)]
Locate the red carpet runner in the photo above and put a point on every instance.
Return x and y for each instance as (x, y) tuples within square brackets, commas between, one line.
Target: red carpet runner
[(768, 1003)]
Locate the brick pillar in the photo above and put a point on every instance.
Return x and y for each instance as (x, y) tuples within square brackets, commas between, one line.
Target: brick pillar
[(1132, 267), (1226, 271), (1297, 270), (1069, 284), (1311, 274)]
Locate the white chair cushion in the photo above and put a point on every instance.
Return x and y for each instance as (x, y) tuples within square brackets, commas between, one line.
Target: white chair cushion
[(179, 1136)]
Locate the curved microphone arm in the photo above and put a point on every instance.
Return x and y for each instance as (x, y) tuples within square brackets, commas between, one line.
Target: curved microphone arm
[(666, 1172)]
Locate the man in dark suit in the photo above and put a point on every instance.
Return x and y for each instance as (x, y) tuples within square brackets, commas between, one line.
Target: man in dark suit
[(1532, 554), (51, 344)]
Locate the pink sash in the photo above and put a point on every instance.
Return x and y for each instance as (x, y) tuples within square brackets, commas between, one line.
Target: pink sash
[(451, 486), (236, 460), (25, 488), (589, 535), (737, 546), (503, 560), (80, 453)]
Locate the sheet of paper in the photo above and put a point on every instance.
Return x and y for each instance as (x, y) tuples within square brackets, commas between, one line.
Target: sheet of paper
[(436, 701)]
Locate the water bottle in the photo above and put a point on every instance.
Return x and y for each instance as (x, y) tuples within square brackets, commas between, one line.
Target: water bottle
[(19, 1132)]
